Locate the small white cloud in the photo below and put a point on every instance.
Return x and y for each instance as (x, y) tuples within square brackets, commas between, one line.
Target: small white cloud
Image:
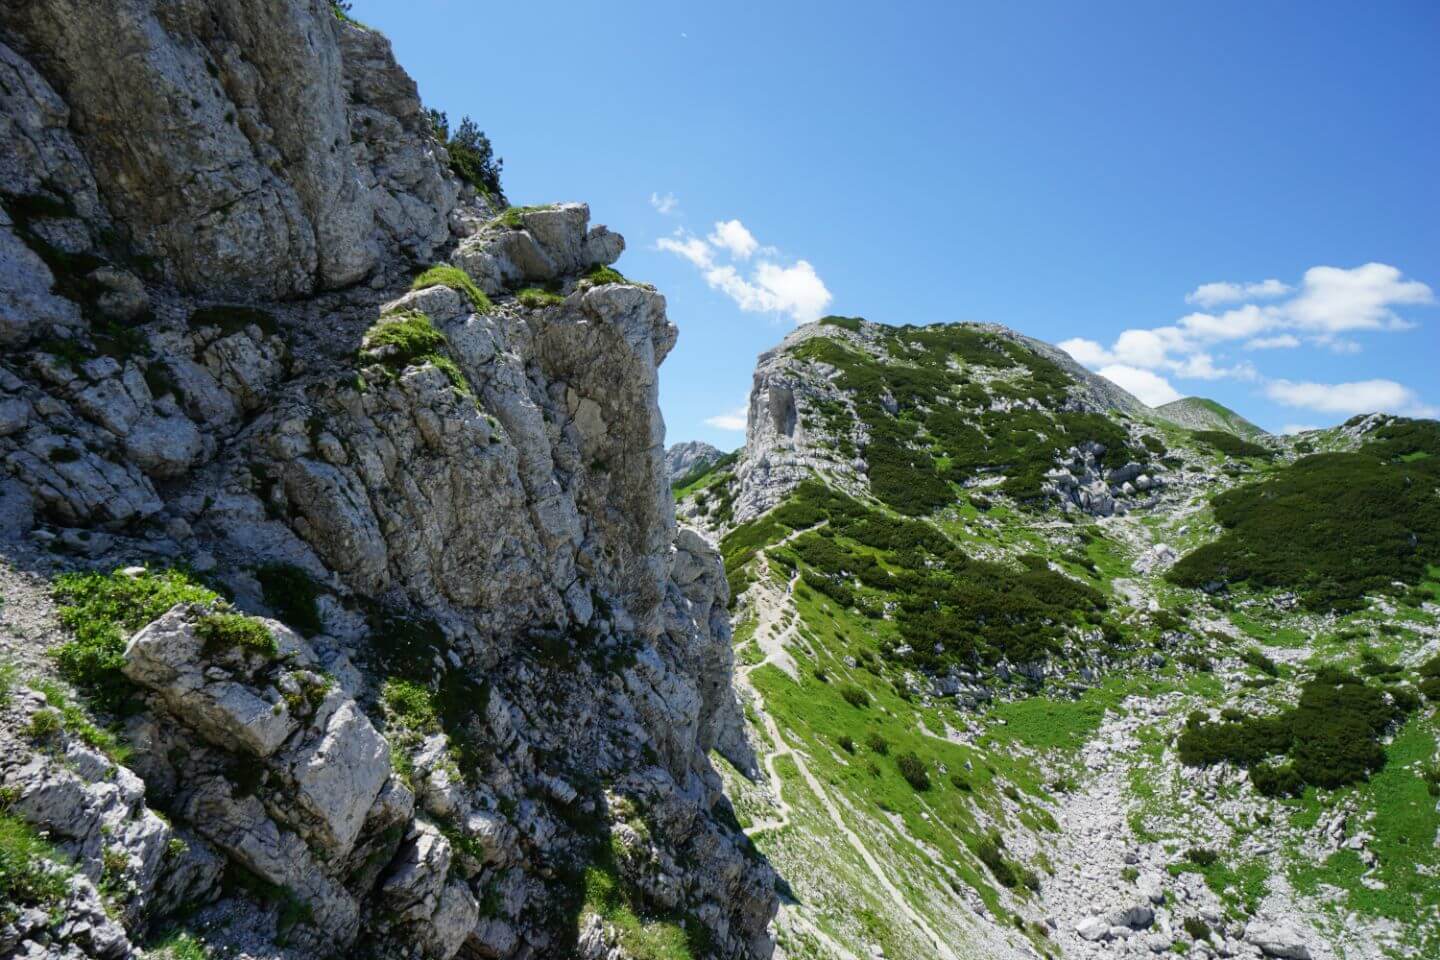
[(694, 249), (1282, 341), (731, 420), (1213, 294), (1152, 389), (771, 287), (1290, 429), (731, 235), (1362, 396), (665, 203), (796, 289)]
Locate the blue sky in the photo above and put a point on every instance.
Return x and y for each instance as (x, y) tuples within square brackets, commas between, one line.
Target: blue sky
[(1233, 200)]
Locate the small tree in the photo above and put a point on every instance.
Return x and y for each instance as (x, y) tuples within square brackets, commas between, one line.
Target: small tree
[(472, 157)]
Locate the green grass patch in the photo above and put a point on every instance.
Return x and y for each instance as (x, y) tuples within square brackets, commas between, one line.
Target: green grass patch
[(101, 611), (29, 870), (223, 632), (411, 339), (537, 298), (444, 275)]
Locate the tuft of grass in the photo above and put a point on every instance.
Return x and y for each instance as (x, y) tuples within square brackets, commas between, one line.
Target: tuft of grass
[(537, 297), (444, 275), (101, 611), (228, 631), (410, 339), (600, 274), (642, 934), (30, 871), (179, 946), (411, 704), (513, 217)]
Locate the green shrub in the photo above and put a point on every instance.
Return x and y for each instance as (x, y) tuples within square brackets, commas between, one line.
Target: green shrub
[(961, 782), (1332, 527), (990, 850), (410, 704), (101, 611), (1197, 929), (847, 744), (855, 696), (292, 594), (444, 275), (1276, 781), (1260, 662), (223, 632), (1233, 446), (472, 157), (912, 768), (877, 743), (1202, 856)]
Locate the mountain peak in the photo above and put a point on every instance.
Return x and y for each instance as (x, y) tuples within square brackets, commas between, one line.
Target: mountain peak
[(1201, 413)]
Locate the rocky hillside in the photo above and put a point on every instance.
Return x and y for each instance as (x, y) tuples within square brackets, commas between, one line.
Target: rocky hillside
[(1198, 413), (691, 456), (1035, 671), (342, 605)]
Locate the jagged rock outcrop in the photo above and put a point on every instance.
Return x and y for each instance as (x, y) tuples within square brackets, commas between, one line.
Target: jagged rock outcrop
[(265, 149), (510, 663)]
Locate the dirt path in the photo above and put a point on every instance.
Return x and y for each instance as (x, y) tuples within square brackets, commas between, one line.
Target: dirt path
[(770, 611)]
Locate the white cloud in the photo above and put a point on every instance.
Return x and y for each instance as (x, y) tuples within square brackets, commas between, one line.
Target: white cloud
[(731, 420), (1362, 396), (694, 249), (1290, 429), (665, 204), (794, 289), (1283, 341), (1213, 294), (1333, 299), (1152, 389), (1328, 303), (1086, 352), (731, 235)]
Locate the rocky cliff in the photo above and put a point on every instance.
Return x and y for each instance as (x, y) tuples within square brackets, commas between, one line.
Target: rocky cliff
[(345, 604)]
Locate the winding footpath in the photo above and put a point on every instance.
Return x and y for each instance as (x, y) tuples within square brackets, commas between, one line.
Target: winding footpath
[(770, 609)]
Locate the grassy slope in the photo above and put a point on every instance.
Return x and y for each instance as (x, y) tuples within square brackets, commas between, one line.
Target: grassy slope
[(1021, 752)]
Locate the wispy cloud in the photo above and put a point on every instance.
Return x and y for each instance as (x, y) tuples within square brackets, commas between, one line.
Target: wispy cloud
[(1214, 294), (770, 286), (1362, 396), (665, 203), (1329, 308), (730, 420)]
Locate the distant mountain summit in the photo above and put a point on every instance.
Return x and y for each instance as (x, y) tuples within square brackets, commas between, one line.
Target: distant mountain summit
[(687, 456), (1198, 413)]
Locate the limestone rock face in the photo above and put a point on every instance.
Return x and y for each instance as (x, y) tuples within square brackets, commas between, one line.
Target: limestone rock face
[(251, 149), (492, 649)]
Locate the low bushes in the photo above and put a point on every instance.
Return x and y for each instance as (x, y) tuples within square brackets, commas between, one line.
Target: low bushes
[(1331, 737), (1334, 526), (101, 611)]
